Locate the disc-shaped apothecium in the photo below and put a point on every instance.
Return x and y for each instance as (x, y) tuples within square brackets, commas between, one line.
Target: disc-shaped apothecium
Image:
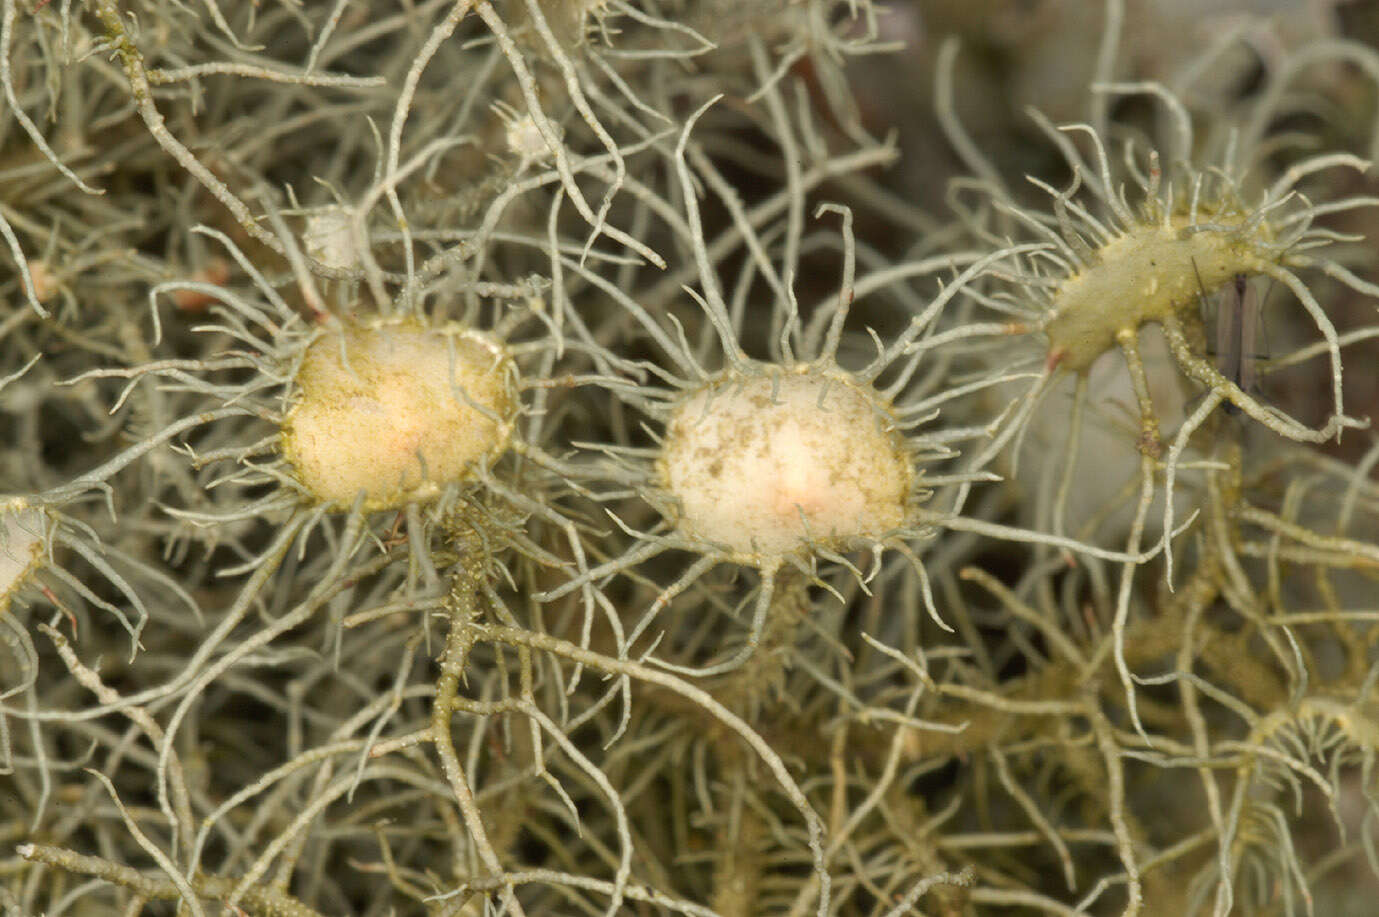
[(398, 410), (766, 463)]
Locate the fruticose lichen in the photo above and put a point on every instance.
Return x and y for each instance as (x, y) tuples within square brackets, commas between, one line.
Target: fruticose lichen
[(665, 458)]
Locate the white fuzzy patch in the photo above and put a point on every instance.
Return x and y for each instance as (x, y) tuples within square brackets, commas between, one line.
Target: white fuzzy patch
[(330, 239)]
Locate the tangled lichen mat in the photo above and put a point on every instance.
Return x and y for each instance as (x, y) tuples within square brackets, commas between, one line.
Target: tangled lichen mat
[(689, 458)]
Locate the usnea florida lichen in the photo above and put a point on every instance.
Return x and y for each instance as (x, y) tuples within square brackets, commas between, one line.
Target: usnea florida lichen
[(393, 684)]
